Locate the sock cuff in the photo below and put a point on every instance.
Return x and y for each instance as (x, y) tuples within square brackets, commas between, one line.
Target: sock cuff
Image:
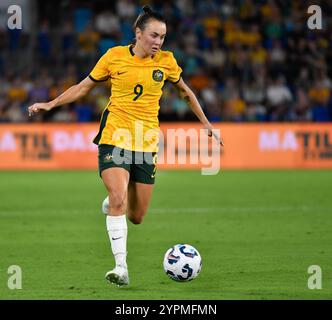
[(118, 222)]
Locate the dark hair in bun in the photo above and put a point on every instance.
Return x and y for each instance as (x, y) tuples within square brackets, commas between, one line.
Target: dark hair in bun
[(145, 16), (147, 9)]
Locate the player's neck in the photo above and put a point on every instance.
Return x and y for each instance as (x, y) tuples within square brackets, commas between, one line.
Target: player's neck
[(139, 52)]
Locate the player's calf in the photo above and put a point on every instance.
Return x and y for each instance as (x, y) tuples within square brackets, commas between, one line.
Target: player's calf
[(136, 220), (136, 216)]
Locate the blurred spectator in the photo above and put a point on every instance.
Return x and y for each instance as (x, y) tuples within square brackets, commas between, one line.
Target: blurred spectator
[(254, 96), (320, 92), (84, 111), (68, 42), (44, 42), (303, 80), (230, 89), (301, 111), (179, 107), (319, 95), (200, 80), (269, 9), (186, 7), (278, 100), (251, 37), (227, 8), (214, 57), (232, 33), (65, 114), (14, 113), (212, 102), (3, 107), (126, 9), (88, 45), (254, 92), (276, 54), (107, 24), (247, 11), (190, 39), (82, 17), (17, 92), (234, 108), (258, 55), (273, 29), (212, 25), (39, 92)]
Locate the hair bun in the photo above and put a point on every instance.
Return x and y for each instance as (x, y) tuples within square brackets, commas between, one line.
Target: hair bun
[(147, 9)]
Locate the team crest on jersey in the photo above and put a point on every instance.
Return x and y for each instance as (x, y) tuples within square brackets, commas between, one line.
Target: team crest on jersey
[(157, 75)]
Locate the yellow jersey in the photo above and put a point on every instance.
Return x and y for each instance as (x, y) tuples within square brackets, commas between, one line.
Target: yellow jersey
[(130, 120)]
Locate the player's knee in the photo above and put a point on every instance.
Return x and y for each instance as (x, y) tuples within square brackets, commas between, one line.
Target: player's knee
[(118, 201)]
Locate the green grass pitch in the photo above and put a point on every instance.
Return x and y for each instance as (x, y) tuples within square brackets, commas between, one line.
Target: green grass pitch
[(257, 231)]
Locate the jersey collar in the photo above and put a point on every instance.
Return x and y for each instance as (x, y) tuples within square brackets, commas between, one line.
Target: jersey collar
[(132, 53)]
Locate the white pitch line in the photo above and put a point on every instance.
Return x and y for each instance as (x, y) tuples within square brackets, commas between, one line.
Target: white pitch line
[(237, 209)]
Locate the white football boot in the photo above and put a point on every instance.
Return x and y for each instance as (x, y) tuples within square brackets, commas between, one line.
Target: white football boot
[(119, 276), (105, 206)]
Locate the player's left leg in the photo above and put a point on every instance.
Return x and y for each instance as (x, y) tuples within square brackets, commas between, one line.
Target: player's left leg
[(140, 187), (139, 196)]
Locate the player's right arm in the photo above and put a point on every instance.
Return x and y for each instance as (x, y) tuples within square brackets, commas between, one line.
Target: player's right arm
[(70, 95)]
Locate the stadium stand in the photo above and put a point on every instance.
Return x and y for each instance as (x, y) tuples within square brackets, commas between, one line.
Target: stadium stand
[(247, 60)]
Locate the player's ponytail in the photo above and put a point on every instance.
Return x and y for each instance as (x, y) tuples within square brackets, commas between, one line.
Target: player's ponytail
[(145, 16)]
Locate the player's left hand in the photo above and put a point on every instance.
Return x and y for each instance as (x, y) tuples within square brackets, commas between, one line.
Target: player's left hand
[(212, 132)]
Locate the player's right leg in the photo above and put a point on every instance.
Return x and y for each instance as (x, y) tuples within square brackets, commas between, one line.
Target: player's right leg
[(116, 182)]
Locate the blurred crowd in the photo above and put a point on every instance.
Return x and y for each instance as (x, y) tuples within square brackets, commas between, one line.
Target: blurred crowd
[(246, 60)]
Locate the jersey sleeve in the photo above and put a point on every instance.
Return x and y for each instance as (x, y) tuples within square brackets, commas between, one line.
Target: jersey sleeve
[(175, 71), (101, 71)]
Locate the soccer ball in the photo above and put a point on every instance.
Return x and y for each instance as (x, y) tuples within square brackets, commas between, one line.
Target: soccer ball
[(182, 262)]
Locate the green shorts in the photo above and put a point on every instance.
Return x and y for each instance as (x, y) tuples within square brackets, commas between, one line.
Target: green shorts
[(140, 165)]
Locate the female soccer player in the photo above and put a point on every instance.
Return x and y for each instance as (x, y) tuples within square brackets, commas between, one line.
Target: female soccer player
[(128, 135)]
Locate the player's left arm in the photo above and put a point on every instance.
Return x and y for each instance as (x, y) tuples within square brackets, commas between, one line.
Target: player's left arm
[(187, 94)]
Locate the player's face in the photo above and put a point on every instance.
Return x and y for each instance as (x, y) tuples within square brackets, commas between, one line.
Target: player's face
[(153, 36)]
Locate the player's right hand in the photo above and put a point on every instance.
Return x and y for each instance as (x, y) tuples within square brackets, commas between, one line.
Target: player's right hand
[(39, 106)]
